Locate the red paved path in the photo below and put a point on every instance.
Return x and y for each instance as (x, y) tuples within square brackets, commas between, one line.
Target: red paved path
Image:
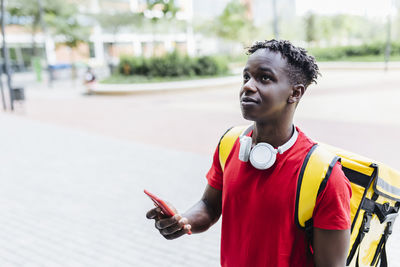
[(352, 109)]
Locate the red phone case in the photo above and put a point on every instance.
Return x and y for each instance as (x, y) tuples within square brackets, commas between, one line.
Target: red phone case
[(163, 206), (160, 203)]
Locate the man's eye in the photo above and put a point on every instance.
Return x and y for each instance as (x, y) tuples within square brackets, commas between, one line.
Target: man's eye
[(246, 77), (265, 78)]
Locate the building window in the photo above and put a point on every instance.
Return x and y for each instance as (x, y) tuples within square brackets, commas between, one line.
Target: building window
[(91, 50)]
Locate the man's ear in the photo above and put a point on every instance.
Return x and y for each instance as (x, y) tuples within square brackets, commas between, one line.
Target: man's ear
[(297, 92)]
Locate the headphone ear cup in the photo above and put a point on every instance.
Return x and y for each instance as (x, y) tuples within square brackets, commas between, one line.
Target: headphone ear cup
[(263, 156), (245, 147)]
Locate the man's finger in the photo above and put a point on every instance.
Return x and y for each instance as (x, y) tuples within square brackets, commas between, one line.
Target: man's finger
[(179, 233), (164, 223), (153, 213), (175, 227)]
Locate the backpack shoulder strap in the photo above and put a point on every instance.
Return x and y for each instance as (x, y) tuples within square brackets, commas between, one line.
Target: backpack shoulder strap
[(314, 174), (226, 143)]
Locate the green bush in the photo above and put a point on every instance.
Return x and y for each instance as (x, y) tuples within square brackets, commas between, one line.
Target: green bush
[(173, 65), (208, 65), (395, 49), (343, 52)]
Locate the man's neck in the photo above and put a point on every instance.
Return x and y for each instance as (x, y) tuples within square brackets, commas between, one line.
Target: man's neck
[(275, 134)]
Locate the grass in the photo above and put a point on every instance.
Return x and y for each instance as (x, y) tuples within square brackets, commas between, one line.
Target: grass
[(121, 79), (378, 58)]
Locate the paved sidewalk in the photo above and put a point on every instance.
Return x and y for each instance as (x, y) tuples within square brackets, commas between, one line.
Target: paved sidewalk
[(68, 198), (74, 198)]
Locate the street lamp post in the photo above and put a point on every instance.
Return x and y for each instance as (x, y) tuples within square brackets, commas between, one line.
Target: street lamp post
[(44, 30), (3, 99), (275, 18), (389, 38), (6, 58), (388, 45)]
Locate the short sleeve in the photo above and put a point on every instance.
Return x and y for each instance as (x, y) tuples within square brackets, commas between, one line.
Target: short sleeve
[(215, 174), (332, 209)]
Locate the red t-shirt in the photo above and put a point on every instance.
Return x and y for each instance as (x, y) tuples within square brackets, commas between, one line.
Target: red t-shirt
[(258, 207)]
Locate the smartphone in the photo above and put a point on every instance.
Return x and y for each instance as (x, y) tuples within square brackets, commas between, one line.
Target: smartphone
[(162, 205)]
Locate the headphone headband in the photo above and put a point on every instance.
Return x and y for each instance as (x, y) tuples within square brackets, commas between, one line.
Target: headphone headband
[(281, 149)]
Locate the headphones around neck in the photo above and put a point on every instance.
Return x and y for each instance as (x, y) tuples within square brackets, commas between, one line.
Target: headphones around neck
[(262, 156)]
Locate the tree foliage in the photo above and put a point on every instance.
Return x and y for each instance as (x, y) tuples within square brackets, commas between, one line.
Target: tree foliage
[(114, 22), (70, 30), (342, 29), (59, 16), (167, 7), (232, 25), (27, 9), (310, 20), (173, 65), (158, 15)]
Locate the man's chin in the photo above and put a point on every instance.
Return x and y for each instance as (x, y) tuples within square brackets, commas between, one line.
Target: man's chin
[(249, 117)]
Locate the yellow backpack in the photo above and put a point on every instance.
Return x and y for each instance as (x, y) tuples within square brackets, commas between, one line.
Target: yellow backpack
[(375, 201)]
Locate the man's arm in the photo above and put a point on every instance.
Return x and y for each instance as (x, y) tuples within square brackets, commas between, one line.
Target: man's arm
[(332, 211), (207, 211), (198, 219), (330, 247)]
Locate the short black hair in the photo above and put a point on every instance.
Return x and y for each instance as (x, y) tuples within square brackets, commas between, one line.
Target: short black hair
[(302, 67)]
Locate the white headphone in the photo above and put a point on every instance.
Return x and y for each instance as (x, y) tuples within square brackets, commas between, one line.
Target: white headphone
[(263, 155)]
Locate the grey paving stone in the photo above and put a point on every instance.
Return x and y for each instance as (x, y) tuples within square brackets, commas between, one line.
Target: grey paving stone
[(69, 198)]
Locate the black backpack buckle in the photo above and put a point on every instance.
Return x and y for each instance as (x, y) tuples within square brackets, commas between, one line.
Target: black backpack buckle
[(366, 222)]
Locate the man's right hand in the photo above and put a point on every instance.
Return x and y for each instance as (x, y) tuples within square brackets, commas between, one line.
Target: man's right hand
[(172, 227)]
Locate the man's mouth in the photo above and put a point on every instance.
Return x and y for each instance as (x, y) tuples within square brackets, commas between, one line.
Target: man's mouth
[(249, 100)]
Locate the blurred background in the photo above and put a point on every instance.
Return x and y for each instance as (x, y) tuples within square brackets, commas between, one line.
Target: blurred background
[(69, 35), (101, 99)]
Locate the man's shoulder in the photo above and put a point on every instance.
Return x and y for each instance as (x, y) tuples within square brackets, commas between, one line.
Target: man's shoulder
[(304, 137), (304, 143)]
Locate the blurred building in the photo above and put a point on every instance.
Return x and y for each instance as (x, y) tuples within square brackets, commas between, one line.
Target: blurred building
[(259, 10), (104, 46), (263, 14)]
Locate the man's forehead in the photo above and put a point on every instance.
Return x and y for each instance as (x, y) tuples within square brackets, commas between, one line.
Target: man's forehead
[(265, 58)]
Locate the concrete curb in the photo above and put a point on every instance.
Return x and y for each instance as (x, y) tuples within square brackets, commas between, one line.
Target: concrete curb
[(125, 89), (140, 88)]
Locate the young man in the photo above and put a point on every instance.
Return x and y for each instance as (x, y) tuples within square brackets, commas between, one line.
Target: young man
[(257, 202)]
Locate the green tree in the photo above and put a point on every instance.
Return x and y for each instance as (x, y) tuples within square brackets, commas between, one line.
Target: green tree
[(311, 28), (167, 7), (326, 29), (342, 28), (161, 13), (60, 17), (29, 10), (66, 25), (115, 22), (233, 24)]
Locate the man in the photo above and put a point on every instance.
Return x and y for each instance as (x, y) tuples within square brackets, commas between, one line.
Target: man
[(258, 203), (90, 81)]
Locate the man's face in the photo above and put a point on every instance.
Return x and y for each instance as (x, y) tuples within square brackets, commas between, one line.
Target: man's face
[(266, 87)]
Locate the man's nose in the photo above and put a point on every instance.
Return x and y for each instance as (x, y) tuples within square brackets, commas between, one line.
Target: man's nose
[(250, 86)]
